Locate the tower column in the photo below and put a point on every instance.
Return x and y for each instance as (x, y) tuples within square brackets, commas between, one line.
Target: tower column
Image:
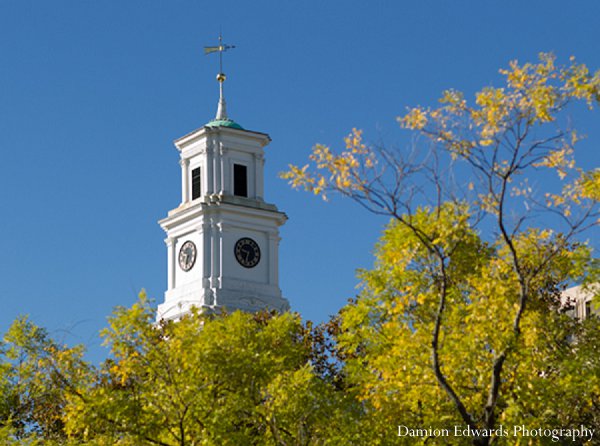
[(259, 161), (185, 189), (206, 253), (216, 241), (170, 263), (210, 167), (223, 172), (273, 256)]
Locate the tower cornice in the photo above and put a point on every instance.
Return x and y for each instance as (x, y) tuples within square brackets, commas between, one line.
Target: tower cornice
[(208, 206), (205, 131)]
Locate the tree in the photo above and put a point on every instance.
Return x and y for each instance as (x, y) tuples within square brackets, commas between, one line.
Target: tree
[(209, 380), (461, 320), (36, 375), (261, 379)]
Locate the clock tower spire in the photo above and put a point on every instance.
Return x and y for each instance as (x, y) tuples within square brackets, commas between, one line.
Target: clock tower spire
[(223, 238)]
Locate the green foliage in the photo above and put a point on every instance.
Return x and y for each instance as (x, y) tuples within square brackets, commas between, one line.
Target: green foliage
[(207, 380), (461, 320), (386, 333), (260, 379), (36, 374)]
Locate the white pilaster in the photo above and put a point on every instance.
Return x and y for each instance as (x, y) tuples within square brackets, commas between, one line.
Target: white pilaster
[(206, 253), (224, 168), (273, 258), (185, 180), (170, 263), (259, 182), (210, 167), (219, 251), (215, 249)]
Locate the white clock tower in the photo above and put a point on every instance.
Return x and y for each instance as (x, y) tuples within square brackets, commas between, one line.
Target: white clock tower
[(223, 239)]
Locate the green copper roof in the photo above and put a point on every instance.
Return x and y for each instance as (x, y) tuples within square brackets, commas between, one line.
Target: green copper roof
[(224, 123)]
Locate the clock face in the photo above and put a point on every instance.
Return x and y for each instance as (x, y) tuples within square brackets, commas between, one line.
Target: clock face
[(247, 252), (187, 256)]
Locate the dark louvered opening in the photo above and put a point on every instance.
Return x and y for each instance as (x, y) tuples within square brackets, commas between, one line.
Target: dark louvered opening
[(240, 180), (196, 183)]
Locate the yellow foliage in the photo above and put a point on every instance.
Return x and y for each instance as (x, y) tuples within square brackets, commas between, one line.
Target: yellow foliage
[(343, 172), (387, 333), (453, 97), (492, 113), (560, 160), (415, 119)]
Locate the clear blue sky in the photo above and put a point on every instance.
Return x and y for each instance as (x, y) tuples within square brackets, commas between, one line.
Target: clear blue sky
[(92, 94)]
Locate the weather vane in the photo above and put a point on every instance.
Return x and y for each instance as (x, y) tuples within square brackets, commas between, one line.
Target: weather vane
[(221, 110), (220, 48)]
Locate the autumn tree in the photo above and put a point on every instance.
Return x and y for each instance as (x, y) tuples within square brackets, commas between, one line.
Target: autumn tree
[(210, 380), (36, 375), (260, 379), (461, 320)]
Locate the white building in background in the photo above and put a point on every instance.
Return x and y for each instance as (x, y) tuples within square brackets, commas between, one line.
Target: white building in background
[(223, 239), (581, 300)]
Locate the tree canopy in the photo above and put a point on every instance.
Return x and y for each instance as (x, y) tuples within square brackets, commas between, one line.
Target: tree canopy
[(203, 380), (461, 320)]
